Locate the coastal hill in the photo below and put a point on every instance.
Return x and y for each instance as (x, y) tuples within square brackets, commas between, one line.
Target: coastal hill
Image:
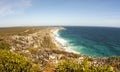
[(33, 49)]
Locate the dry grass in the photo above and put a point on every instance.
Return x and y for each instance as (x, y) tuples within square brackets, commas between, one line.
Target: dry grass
[(19, 30)]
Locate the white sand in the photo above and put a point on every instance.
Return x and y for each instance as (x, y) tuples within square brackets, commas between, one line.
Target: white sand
[(63, 43)]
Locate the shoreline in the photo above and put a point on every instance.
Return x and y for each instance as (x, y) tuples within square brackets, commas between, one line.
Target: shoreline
[(59, 42)]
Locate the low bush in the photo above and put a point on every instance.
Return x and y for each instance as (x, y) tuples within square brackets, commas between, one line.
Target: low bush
[(75, 66), (4, 45), (12, 62)]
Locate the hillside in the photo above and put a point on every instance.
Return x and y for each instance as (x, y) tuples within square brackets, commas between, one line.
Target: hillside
[(33, 49)]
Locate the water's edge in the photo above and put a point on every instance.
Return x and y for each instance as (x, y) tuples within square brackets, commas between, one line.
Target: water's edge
[(62, 42)]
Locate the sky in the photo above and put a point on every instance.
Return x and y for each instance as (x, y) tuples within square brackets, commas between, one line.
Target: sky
[(60, 12)]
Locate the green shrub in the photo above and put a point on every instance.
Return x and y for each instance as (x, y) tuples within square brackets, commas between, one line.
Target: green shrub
[(12, 62), (4, 45), (68, 66), (74, 66)]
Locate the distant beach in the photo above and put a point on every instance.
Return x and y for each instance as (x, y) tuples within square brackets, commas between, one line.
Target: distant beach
[(60, 42)]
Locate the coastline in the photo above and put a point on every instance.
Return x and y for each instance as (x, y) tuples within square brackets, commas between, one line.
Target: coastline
[(60, 42), (44, 50)]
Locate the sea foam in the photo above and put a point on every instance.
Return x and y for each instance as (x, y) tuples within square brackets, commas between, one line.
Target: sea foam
[(62, 42)]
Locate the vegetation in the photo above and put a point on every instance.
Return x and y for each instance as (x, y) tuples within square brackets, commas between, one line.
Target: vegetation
[(74, 66), (4, 45), (19, 30), (114, 61), (11, 62), (47, 42)]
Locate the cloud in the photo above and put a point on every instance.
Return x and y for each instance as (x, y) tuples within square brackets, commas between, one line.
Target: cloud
[(8, 7)]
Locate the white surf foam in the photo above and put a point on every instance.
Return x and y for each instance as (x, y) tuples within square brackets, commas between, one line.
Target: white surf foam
[(58, 39), (62, 42)]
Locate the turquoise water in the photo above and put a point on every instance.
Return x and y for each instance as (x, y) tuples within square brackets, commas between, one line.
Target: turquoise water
[(93, 41)]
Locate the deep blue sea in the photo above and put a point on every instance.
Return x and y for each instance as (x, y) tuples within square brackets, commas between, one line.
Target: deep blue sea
[(92, 41)]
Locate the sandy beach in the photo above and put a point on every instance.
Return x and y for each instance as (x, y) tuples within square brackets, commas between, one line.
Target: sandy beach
[(60, 42)]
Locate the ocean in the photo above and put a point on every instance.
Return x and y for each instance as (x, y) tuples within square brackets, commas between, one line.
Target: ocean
[(92, 41)]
